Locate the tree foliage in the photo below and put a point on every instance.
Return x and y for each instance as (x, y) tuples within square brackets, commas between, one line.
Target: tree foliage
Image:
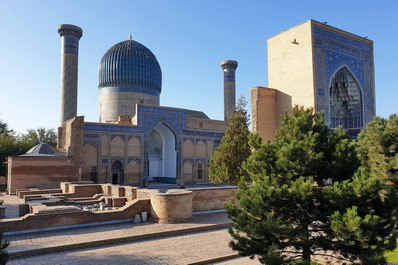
[(3, 252), (287, 213), (40, 135), (226, 164), (378, 148), (4, 130), (13, 145), (368, 227)]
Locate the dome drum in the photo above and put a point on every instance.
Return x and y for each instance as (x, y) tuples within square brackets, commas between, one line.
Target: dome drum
[(130, 89), (115, 103)]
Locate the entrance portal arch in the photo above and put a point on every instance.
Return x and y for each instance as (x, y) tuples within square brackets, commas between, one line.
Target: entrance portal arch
[(346, 106), (162, 155)]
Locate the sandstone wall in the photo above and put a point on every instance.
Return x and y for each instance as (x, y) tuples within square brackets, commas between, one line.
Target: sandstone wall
[(205, 125), (267, 106), (290, 64)]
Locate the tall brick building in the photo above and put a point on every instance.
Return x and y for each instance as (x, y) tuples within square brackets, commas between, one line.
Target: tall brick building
[(318, 66)]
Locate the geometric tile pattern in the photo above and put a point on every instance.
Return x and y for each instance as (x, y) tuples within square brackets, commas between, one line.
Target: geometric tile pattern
[(333, 51), (147, 118)]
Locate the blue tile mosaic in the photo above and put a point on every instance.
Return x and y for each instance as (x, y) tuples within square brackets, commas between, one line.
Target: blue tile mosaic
[(96, 143), (91, 135), (148, 117), (129, 63), (334, 51), (338, 38)]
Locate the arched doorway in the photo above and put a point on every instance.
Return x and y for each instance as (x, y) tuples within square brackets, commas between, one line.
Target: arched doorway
[(117, 172), (162, 155), (345, 101)]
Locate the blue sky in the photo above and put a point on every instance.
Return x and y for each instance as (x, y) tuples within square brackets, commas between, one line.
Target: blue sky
[(189, 39)]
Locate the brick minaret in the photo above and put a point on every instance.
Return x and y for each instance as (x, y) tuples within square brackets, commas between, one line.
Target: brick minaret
[(229, 68), (70, 36)]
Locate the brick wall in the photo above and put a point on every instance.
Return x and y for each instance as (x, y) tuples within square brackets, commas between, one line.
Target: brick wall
[(212, 198), (22, 193), (32, 221), (39, 172), (85, 190)]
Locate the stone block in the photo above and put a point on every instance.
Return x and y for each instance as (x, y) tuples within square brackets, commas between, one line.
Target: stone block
[(23, 209)]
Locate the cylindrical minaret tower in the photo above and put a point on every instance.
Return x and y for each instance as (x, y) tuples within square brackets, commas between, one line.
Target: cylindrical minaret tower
[(229, 68), (70, 36)]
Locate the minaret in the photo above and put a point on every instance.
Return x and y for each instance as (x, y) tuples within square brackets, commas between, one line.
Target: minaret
[(229, 68), (70, 36)]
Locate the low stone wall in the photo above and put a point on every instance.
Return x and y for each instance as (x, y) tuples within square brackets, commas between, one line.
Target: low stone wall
[(208, 199), (173, 206), (90, 189), (39, 221), (22, 193), (64, 186), (85, 190), (145, 193)]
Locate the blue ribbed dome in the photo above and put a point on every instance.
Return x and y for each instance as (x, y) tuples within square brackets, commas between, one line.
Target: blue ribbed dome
[(132, 66)]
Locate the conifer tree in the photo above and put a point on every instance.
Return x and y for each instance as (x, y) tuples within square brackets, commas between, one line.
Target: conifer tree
[(288, 214), (378, 148), (226, 164), (368, 225)]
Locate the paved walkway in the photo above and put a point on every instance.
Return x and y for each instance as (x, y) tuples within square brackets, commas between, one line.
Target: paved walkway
[(207, 247), (201, 241), (184, 249), (49, 241)]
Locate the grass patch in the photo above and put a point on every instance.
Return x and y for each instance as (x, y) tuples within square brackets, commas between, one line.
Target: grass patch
[(392, 256)]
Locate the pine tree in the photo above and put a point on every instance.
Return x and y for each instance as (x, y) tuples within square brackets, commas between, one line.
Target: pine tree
[(378, 149), (368, 225), (286, 213), (226, 164)]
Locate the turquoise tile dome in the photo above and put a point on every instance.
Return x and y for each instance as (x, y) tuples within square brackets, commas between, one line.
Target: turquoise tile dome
[(131, 67)]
